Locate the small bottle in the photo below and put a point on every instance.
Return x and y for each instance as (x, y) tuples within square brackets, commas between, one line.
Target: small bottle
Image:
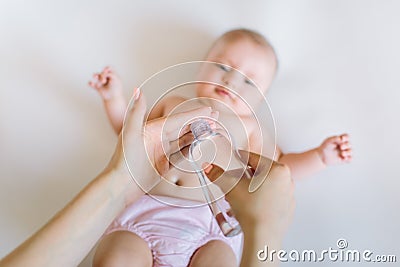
[(211, 146)]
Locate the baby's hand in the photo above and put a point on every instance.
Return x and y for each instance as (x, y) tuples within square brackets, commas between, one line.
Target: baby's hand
[(335, 149), (107, 83)]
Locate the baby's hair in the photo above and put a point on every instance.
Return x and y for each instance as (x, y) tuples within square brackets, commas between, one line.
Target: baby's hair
[(254, 36), (235, 34)]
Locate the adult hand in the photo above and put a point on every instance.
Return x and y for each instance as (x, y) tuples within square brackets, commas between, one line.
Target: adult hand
[(263, 205), (142, 152), (266, 198)]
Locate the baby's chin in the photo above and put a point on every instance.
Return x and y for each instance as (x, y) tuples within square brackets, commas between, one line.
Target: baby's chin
[(223, 107)]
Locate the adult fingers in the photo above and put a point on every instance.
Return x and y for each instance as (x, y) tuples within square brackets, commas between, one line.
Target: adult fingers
[(172, 127), (135, 116), (225, 180), (180, 143), (260, 167)]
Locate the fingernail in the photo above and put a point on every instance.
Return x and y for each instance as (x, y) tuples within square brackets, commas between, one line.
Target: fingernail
[(207, 167), (213, 125), (215, 114), (136, 93)]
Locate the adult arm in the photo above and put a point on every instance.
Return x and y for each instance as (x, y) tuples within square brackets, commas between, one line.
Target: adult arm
[(71, 233)]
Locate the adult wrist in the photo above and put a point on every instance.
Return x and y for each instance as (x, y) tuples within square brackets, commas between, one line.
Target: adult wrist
[(121, 185)]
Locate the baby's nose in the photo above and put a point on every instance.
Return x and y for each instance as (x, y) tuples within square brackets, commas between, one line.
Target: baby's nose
[(230, 79)]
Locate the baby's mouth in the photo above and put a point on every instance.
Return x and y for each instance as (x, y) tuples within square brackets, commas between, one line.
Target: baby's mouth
[(223, 92)]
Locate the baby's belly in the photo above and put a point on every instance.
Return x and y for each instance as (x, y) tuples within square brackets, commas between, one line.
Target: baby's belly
[(183, 185), (180, 185)]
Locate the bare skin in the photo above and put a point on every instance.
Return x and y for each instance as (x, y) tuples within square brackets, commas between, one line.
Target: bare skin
[(242, 55), (258, 63), (65, 239), (119, 248), (69, 236), (264, 214)]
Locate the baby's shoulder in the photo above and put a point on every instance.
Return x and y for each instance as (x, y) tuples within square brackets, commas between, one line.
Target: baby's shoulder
[(250, 123), (174, 99), (164, 106), (171, 103)]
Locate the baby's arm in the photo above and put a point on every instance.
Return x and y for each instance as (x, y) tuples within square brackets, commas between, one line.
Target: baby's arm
[(333, 150), (109, 86)]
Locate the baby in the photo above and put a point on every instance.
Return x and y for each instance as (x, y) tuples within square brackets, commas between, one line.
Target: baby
[(150, 233)]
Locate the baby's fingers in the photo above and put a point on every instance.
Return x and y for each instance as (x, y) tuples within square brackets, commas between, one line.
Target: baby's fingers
[(344, 138), (344, 146), (103, 78), (92, 84), (346, 154), (347, 159), (107, 69), (108, 72), (97, 80), (333, 140), (95, 83)]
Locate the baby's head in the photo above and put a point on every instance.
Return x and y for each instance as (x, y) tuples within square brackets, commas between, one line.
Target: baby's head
[(250, 53)]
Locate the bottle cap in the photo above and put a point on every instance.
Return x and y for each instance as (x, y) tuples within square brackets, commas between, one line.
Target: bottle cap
[(200, 127)]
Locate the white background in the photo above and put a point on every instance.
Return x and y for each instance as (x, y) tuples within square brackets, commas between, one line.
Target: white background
[(339, 72)]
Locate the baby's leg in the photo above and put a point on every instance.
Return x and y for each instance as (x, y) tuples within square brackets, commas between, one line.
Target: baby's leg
[(214, 253), (122, 248)]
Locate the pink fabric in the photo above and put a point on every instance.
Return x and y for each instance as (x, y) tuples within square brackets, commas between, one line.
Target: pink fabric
[(172, 233)]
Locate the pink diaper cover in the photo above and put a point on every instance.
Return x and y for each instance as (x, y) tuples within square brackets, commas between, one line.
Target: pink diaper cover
[(172, 233)]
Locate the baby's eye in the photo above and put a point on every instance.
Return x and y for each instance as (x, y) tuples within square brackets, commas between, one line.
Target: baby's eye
[(249, 82), (224, 67)]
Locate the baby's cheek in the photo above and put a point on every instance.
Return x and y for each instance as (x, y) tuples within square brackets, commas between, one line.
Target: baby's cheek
[(204, 91)]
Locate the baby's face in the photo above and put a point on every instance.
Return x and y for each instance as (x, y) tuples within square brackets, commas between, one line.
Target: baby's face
[(256, 62)]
